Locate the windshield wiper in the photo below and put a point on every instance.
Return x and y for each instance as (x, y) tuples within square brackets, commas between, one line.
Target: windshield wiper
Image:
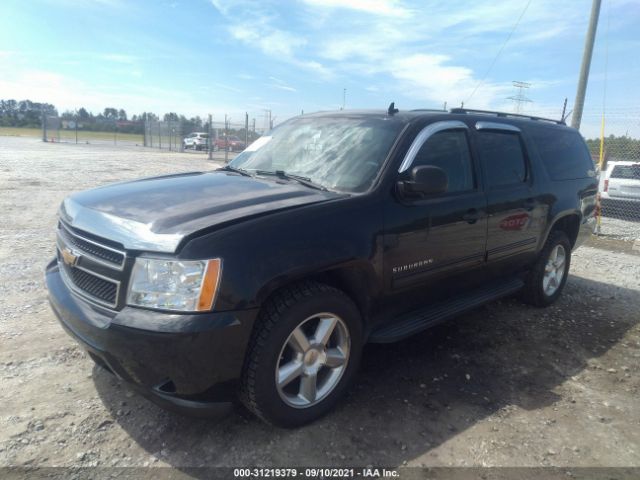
[(229, 168), (290, 176)]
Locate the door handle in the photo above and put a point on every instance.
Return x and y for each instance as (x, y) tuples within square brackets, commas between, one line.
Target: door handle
[(472, 216), (529, 204)]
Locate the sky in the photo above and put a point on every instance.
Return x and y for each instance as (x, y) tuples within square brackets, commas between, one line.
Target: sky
[(200, 57)]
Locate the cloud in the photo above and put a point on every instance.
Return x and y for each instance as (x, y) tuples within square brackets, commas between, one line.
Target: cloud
[(273, 43), (249, 23), (69, 93), (376, 7), (433, 78), (280, 85)]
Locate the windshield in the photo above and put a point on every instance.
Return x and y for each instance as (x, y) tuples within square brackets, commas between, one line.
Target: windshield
[(339, 153)]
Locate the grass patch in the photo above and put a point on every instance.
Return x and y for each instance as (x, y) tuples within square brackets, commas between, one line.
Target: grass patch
[(70, 135)]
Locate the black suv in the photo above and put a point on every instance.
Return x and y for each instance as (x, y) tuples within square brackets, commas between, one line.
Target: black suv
[(263, 279)]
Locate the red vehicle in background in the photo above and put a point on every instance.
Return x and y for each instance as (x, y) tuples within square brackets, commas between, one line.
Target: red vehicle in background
[(231, 142)]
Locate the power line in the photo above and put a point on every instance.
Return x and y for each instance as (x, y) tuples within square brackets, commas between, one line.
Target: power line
[(499, 51)]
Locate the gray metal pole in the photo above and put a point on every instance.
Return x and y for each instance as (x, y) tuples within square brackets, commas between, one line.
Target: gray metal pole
[(226, 139), (246, 129), (210, 142), (586, 64)]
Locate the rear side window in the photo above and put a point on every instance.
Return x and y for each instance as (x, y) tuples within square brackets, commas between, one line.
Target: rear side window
[(564, 153), (503, 158), (449, 150), (628, 172)]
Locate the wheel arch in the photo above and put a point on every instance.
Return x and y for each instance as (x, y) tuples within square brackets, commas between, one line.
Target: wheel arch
[(357, 280), (568, 222)]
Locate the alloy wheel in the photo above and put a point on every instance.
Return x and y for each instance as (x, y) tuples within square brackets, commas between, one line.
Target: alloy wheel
[(312, 360), (554, 270)]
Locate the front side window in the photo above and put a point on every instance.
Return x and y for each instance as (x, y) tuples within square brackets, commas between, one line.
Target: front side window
[(339, 153), (503, 158), (448, 150)]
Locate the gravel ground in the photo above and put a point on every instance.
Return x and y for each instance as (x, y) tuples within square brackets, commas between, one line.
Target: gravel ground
[(506, 385), (626, 228)]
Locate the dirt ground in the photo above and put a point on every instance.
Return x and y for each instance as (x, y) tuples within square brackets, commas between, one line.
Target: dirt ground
[(506, 385)]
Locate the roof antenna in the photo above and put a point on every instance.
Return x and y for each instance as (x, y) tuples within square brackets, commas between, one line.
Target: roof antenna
[(392, 109)]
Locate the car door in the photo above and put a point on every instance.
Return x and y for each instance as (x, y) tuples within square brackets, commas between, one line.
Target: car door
[(438, 241), (516, 214)]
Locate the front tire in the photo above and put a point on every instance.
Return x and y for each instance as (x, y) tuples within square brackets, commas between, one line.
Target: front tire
[(547, 278), (303, 354)]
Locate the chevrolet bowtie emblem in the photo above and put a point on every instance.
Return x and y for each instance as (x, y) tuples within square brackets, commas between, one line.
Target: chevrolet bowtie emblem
[(69, 256)]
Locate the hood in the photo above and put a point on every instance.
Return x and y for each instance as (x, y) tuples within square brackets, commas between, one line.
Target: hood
[(155, 214)]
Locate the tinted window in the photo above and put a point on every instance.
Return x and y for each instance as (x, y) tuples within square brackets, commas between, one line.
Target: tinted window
[(503, 158), (449, 150), (564, 153), (630, 172)]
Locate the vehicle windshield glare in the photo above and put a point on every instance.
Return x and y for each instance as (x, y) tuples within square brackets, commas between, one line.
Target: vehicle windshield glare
[(339, 153)]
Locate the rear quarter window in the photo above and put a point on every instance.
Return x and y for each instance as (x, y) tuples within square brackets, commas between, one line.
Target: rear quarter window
[(563, 152)]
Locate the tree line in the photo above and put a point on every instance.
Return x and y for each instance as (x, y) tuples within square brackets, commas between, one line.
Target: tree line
[(621, 148), (28, 114)]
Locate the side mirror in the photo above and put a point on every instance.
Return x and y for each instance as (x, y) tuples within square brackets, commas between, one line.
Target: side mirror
[(425, 180)]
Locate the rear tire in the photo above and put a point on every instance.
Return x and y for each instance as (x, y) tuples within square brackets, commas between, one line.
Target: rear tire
[(546, 280), (303, 354)]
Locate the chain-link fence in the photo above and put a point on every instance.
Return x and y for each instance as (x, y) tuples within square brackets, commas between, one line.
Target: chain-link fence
[(92, 131), (225, 139), (618, 158), (167, 135)]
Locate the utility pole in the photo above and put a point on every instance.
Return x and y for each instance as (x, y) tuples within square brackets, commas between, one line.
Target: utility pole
[(586, 64), (344, 98)]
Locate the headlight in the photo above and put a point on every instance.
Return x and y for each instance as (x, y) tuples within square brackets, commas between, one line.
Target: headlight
[(188, 286)]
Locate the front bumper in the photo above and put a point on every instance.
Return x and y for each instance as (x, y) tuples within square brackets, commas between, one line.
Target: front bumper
[(185, 362)]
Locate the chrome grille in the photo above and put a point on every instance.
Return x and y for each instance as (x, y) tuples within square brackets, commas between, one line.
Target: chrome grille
[(89, 247), (89, 268)]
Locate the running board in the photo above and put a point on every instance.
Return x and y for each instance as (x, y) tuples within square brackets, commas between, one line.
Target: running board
[(407, 324)]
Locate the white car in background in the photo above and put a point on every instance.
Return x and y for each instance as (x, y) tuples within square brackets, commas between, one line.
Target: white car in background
[(620, 188), (196, 140)]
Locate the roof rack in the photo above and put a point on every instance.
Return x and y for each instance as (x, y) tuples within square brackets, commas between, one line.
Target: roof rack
[(505, 114)]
